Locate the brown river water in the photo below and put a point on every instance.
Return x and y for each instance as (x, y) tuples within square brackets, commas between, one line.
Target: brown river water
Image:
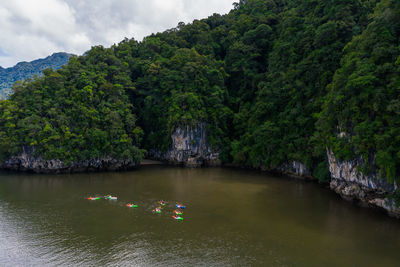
[(232, 218)]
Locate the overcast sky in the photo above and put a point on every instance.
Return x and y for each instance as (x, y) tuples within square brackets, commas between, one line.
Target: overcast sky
[(31, 29)]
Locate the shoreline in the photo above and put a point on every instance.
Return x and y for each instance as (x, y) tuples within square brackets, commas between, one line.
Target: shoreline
[(378, 204)]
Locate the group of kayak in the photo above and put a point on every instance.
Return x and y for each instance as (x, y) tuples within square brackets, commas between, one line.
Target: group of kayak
[(109, 197), (177, 213)]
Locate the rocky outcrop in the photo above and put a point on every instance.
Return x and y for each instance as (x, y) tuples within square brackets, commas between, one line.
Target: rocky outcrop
[(368, 190), (190, 147), (27, 162), (295, 169)]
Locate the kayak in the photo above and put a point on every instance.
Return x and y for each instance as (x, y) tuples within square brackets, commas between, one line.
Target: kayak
[(110, 197), (178, 218), (178, 212), (162, 202), (180, 206), (94, 198), (131, 205), (157, 210)]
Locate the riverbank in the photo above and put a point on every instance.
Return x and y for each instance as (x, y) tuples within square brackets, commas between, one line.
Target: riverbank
[(27, 162), (151, 162)]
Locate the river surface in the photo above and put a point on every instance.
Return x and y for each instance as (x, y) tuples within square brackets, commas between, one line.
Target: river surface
[(232, 218)]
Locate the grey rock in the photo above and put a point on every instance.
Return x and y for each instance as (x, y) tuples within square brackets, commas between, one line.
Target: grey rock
[(26, 161), (387, 205), (296, 169), (369, 190), (348, 171), (190, 147)]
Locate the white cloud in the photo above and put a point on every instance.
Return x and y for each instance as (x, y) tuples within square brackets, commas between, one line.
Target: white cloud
[(33, 29)]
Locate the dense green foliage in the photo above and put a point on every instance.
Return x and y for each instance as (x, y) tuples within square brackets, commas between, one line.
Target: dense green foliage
[(79, 112), (363, 100), (179, 88), (25, 70), (274, 80), (274, 123)]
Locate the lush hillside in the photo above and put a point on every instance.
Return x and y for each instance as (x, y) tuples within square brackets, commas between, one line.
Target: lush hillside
[(77, 113), (25, 70), (363, 100), (275, 81)]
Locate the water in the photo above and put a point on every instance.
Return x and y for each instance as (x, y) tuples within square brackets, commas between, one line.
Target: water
[(233, 218)]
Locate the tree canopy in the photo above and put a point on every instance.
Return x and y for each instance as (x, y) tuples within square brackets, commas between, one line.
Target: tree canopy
[(274, 81)]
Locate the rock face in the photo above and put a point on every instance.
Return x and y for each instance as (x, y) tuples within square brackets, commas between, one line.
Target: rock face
[(190, 147), (29, 163), (367, 190), (295, 169)]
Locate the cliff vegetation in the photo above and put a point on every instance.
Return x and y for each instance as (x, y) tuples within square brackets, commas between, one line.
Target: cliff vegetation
[(274, 81)]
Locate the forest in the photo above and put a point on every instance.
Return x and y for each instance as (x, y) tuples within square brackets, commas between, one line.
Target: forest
[(274, 81)]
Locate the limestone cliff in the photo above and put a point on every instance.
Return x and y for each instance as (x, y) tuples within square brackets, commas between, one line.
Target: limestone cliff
[(190, 147), (296, 169), (352, 184), (26, 161)]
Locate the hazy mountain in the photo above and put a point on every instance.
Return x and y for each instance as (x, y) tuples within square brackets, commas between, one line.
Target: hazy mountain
[(24, 70)]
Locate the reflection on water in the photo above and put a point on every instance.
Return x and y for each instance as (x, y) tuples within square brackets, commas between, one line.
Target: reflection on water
[(233, 217)]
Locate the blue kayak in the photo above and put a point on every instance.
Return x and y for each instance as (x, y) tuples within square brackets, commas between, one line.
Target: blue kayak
[(180, 206)]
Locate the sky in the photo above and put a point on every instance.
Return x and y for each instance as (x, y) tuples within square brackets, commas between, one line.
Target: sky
[(32, 29)]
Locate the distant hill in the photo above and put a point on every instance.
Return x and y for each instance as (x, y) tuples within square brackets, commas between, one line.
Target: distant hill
[(24, 70)]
